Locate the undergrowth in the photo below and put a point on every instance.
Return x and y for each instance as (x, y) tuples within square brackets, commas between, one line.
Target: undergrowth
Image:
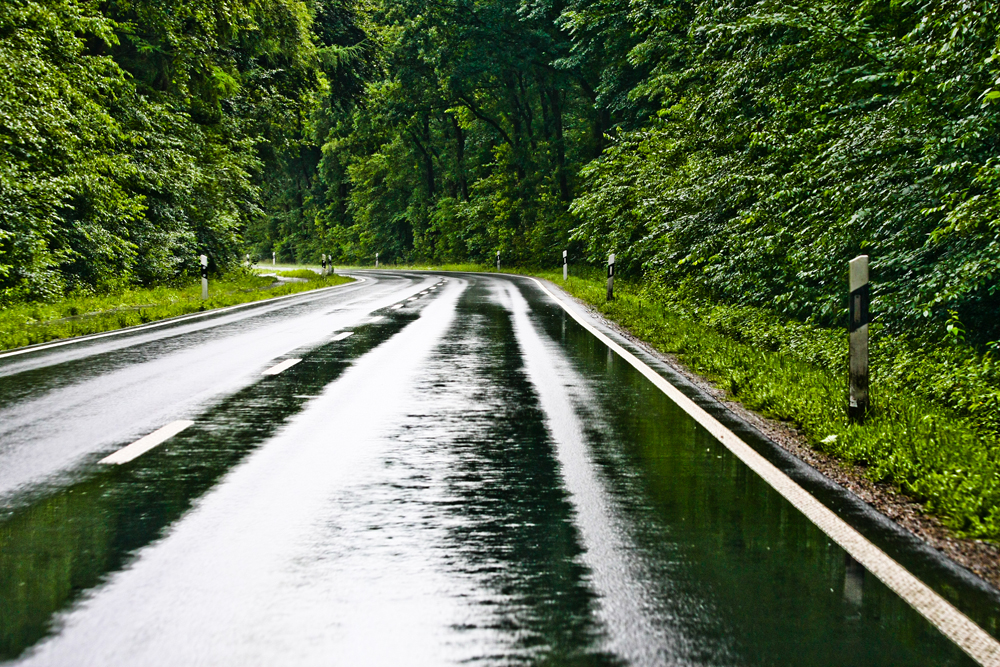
[(28, 324), (934, 422)]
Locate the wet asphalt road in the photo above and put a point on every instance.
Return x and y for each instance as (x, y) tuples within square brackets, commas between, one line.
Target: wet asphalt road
[(468, 477)]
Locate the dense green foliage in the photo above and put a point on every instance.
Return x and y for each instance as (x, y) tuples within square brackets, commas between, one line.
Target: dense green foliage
[(135, 135), (745, 149)]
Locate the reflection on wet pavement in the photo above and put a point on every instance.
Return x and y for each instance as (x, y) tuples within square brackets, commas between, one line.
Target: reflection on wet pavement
[(469, 478)]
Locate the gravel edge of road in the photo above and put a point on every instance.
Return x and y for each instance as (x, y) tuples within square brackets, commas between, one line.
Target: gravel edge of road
[(980, 558)]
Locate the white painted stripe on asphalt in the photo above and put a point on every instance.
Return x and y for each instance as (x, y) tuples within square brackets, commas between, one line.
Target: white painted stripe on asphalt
[(146, 443), (342, 336), (397, 306), (283, 366), (952, 623), (412, 298), (175, 320), (373, 319)]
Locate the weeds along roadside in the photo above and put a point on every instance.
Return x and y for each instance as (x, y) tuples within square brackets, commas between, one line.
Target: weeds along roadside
[(935, 417), (29, 324)]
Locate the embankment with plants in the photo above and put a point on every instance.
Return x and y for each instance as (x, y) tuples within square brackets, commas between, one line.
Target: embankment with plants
[(40, 322), (934, 421)]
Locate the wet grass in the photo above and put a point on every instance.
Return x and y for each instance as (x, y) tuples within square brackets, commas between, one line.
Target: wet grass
[(28, 324), (940, 447)]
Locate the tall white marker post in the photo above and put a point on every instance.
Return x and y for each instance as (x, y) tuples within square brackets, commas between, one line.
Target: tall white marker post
[(857, 405), (274, 259), (322, 264), (204, 277), (611, 277), (376, 260), (498, 261), (565, 266)]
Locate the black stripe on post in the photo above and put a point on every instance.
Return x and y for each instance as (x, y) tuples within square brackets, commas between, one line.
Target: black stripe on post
[(611, 277), (858, 308)]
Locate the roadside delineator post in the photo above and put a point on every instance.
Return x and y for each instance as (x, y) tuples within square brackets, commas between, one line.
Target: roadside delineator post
[(857, 404), (376, 260), (274, 259), (322, 264), (498, 261), (204, 276), (565, 266), (611, 277), (249, 263)]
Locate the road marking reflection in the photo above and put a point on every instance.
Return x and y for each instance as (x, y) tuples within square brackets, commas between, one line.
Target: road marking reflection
[(283, 366), (146, 443)]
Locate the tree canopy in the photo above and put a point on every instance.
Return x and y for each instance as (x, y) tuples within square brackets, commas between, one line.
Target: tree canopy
[(742, 149)]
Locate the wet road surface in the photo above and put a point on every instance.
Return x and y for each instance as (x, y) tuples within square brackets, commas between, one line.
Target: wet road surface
[(469, 476)]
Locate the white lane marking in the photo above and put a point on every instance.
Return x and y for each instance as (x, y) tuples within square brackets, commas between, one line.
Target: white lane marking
[(413, 298), (283, 366), (342, 335), (952, 623), (146, 443), (374, 319), (397, 306), (175, 320)]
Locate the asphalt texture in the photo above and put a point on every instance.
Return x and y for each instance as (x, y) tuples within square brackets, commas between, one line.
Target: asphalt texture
[(439, 469)]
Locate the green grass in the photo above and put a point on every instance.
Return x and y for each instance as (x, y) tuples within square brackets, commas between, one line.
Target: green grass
[(28, 324), (932, 430)]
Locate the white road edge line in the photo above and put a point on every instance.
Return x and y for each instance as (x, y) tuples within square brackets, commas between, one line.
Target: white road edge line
[(397, 306), (146, 443), (172, 320), (283, 366), (952, 623), (342, 336)]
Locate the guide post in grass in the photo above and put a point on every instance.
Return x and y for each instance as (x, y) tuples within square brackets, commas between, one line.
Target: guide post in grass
[(611, 277), (274, 259), (322, 264), (565, 267), (204, 276), (857, 405), (498, 261), (376, 260)]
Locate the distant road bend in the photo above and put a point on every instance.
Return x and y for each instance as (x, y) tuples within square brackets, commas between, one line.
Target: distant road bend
[(428, 469)]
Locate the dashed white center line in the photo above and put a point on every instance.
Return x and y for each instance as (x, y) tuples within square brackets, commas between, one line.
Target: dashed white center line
[(342, 335), (146, 443), (283, 366), (397, 306), (414, 298)]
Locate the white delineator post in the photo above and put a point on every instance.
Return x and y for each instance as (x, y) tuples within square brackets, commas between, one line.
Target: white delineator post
[(274, 259), (611, 277), (857, 405), (498, 260), (565, 266), (204, 276), (376, 260), (322, 264)]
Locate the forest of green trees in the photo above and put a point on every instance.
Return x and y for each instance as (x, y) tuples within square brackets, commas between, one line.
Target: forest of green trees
[(741, 149)]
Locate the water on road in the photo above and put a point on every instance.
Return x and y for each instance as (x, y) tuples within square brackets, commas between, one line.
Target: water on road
[(471, 477)]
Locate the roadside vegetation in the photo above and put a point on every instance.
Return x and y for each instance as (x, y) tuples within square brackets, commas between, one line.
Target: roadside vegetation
[(32, 323), (935, 415)]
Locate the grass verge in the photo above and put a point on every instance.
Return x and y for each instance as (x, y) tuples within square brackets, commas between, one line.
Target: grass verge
[(932, 430), (29, 324)]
